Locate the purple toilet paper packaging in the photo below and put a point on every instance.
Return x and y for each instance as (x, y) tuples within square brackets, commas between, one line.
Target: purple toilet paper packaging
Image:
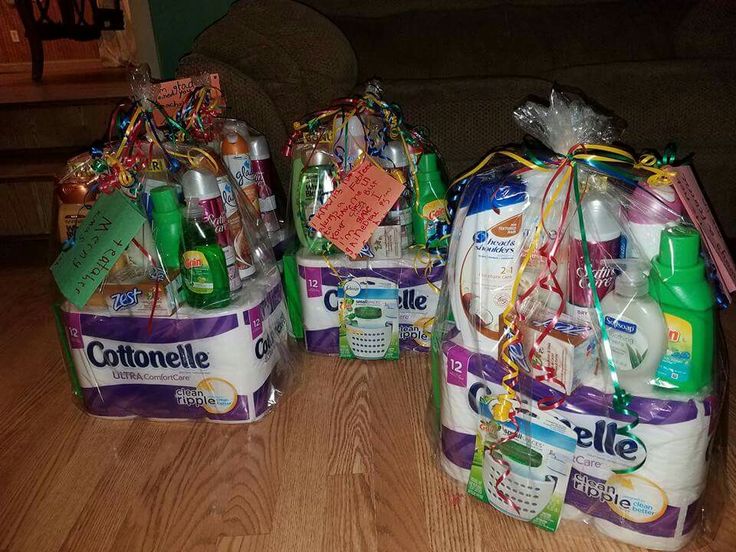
[(319, 280), (214, 365), (655, 506)]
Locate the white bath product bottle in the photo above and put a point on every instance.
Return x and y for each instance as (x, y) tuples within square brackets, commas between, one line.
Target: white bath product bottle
[(650, 211), (487, 256), (636, 327), (603, 234)]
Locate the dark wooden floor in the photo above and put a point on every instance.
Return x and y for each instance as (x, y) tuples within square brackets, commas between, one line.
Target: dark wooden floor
[(345, 463)]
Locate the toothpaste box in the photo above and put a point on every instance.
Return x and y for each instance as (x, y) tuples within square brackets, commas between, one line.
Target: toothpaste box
[(566, 356), (319, 279), (213, 365)]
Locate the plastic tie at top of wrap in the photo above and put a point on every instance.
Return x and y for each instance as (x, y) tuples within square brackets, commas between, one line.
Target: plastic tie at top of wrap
[(566, 122)]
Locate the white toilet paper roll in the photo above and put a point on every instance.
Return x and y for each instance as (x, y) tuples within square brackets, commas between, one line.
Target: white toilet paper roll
[(637, 539), (664, 492), (461, 475), (571, 513), (466, 377)]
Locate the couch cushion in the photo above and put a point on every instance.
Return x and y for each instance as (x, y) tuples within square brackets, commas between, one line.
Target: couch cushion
[(686, 102), (464, 118), (511, 39), (300, 58)]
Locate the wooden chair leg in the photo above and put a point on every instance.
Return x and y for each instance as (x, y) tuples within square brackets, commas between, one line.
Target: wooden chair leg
[(36, 58), (25, 11)]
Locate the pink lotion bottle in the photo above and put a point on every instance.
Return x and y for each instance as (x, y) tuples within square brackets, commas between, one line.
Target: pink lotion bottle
[(603, 236), (266, 180)]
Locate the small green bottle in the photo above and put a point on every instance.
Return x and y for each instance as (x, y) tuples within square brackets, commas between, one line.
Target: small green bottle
[(204, 268), (430, 207), (678, 282), (316, 184), (167, 225)]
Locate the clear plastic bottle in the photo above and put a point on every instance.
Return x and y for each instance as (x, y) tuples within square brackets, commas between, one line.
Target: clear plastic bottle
[(316, 184), (204, 269), (397, 165), (603, 235), (636, 327)]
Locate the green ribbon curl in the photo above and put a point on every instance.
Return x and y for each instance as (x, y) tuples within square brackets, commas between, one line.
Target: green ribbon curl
[(621, 399)]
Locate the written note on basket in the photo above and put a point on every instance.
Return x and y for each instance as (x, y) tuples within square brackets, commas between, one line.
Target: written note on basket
[(696, 206), (171, 94), (357, 207), (101, 238)]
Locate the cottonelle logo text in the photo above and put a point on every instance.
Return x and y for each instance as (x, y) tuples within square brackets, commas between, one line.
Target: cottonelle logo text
[(184, 356)]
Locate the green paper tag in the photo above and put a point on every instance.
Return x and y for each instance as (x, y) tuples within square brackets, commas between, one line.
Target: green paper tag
[(101, 238)]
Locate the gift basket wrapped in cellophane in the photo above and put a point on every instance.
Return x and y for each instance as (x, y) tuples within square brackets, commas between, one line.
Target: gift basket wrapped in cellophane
[(577, 371), (369, 210), (172, 302)]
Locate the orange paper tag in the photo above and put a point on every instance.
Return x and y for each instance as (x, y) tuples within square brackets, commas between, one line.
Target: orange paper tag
[(686, 186), (356, 208), (171, 94)]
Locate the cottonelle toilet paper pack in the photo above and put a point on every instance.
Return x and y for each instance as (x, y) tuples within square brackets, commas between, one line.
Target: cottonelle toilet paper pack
[(318, 285), (656, 506), (215, 365)]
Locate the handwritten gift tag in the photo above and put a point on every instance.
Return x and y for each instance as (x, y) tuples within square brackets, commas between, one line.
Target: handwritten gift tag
[(171, 93), (101, 238), (691, 196), (357, 207)]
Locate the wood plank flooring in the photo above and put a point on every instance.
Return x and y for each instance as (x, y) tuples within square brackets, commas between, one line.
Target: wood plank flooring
[(344, 463)]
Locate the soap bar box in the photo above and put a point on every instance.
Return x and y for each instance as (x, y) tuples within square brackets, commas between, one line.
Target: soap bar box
[(566, 356), (131, 291)]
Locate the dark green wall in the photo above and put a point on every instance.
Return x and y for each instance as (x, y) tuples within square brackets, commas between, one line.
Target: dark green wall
[(176, 23)]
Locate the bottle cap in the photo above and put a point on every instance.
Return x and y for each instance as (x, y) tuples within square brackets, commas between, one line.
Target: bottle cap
[(194, 210), (654, 205), (632, 279), (164, 199), (239, 127), (679, 247), (428, 162), (199, 184), (598, 213), (394, 156), (259, 148), (233, 144), (317, 157)]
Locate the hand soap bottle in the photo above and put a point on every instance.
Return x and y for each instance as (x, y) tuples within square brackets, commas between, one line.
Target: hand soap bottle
[(635, 325), (678, 282), (316, 184)]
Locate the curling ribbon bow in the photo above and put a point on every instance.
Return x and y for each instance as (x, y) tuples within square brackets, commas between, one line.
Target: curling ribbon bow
[(198, 112)]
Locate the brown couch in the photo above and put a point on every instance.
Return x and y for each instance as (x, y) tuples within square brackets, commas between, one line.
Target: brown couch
[(458, 68)]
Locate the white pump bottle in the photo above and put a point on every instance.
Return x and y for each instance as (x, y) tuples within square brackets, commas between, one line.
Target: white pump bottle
[(635, 325)]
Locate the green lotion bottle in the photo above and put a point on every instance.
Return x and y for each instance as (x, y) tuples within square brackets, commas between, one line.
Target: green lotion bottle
[(678, 283), (316, 184), (204, 268)]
